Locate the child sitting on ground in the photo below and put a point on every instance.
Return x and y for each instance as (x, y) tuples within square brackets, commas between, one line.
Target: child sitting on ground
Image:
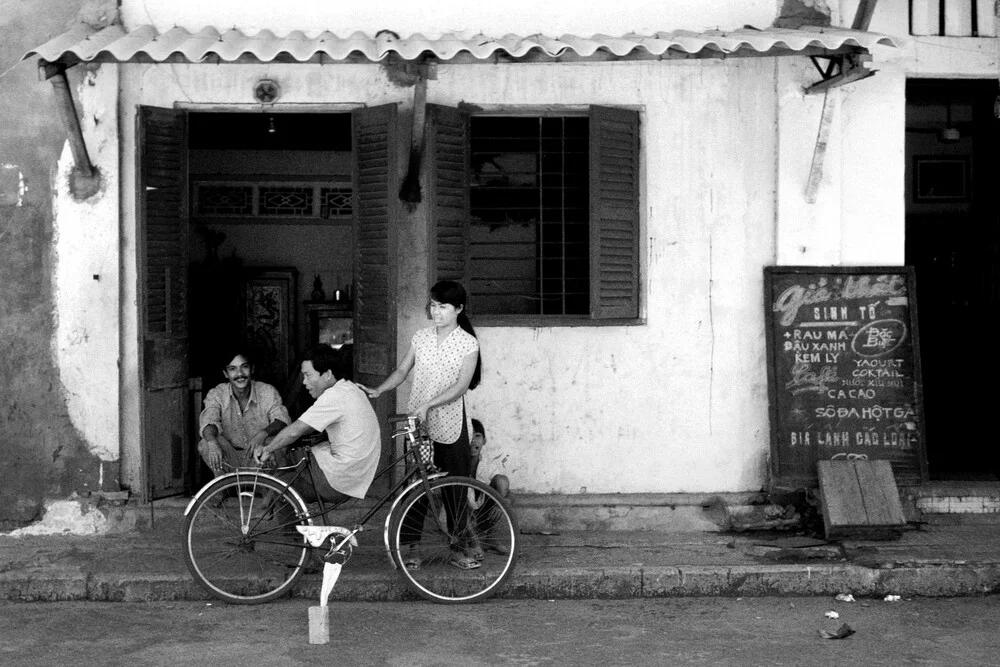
[(487, 470)]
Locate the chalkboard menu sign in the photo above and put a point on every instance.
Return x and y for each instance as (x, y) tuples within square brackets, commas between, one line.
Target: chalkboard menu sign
[(843, 370)]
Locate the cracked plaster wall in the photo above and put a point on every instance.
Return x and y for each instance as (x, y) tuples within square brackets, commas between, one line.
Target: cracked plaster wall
[(44, 450)]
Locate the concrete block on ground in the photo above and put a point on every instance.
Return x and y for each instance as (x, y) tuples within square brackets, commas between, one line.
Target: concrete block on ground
[(319, 625)]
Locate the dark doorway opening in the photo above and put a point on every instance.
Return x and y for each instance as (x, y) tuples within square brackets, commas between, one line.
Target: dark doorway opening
[(271, 245), (232, 206), (952, 138)]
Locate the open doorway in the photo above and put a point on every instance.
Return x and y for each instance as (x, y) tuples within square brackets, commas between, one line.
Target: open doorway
[(271, 244), (237, 216), (952, 206)]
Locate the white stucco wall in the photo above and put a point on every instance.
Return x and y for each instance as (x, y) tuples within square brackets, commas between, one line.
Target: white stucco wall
[(86, 274), (678, 403)]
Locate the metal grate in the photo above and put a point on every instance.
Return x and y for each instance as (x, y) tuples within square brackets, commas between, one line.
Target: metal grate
[(530, 214)]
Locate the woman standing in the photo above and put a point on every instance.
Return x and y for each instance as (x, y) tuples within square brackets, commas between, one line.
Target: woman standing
[(445, 363)]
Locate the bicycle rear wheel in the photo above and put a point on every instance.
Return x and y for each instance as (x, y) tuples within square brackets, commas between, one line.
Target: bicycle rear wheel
[(471, 518), (240, 541)]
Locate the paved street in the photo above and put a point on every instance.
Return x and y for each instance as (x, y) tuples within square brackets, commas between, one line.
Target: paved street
[(677, 631)]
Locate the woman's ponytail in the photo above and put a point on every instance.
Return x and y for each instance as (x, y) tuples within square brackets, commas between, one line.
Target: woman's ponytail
[(452, 292), (466, 324)]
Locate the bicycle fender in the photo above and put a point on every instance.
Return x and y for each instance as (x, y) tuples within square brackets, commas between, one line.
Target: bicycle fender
[(243, 475)]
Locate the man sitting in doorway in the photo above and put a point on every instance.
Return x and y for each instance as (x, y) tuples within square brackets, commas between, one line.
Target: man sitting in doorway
[(345, 466), (239, 414)]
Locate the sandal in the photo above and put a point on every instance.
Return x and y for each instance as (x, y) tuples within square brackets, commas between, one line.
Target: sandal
[(464, 562), (477, 555), (411, 561)]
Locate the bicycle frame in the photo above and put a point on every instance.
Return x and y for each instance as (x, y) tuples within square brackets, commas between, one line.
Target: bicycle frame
[(398, 491)]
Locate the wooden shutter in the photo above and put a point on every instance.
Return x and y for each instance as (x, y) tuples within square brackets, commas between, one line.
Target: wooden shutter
[(163, 266), (614, 213), (448, 192), (375, 220), (377, 213)]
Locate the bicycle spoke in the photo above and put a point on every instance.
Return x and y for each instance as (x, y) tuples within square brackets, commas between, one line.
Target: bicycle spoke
[(447, 531), (244, 566)]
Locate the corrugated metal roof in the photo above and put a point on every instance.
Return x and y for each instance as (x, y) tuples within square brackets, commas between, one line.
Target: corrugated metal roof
[(146, 44)]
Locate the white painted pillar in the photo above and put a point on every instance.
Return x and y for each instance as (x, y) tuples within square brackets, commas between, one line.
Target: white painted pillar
[(873, 135), (86, 273)]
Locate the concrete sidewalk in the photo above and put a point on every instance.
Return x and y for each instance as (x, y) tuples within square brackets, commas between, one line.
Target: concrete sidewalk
[(948, 558)]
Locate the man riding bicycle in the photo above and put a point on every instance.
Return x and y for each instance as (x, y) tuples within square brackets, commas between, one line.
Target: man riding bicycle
[(345, 465)]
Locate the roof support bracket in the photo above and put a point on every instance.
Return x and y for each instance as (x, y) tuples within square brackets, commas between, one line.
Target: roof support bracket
[(71, 121), (840, 70), (850, 67)]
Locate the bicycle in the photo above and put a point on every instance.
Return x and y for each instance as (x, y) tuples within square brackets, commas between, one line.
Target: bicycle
[(248, 533)]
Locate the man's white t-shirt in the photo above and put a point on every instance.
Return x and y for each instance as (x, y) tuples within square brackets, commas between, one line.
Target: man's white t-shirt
[(350, 459)]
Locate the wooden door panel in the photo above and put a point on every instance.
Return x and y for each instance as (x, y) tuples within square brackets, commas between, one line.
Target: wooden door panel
[(166, 435), (163, 276)]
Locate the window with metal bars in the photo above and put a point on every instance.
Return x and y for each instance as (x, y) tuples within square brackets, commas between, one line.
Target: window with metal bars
[(530, 220)]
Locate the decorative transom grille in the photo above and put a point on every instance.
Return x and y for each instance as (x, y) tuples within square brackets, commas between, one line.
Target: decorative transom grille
[(336, 201), (285, 200), (273, 200), (225, 200)]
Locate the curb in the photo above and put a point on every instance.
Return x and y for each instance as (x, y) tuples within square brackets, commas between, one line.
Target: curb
[(937, 580)]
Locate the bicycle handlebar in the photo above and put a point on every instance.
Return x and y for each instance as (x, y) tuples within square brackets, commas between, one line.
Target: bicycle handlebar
[(412, 424), (404, 417)]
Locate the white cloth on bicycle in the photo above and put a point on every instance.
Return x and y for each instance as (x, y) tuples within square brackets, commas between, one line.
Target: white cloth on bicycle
[(350, 458), (331, 572), (437, 367)]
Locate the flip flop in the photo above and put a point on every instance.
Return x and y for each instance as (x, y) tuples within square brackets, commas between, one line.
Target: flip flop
[(465, 563), (411, 561)]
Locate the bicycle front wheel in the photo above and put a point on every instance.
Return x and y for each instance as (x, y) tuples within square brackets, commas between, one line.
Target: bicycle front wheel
[(240, 541), (437, 534)]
